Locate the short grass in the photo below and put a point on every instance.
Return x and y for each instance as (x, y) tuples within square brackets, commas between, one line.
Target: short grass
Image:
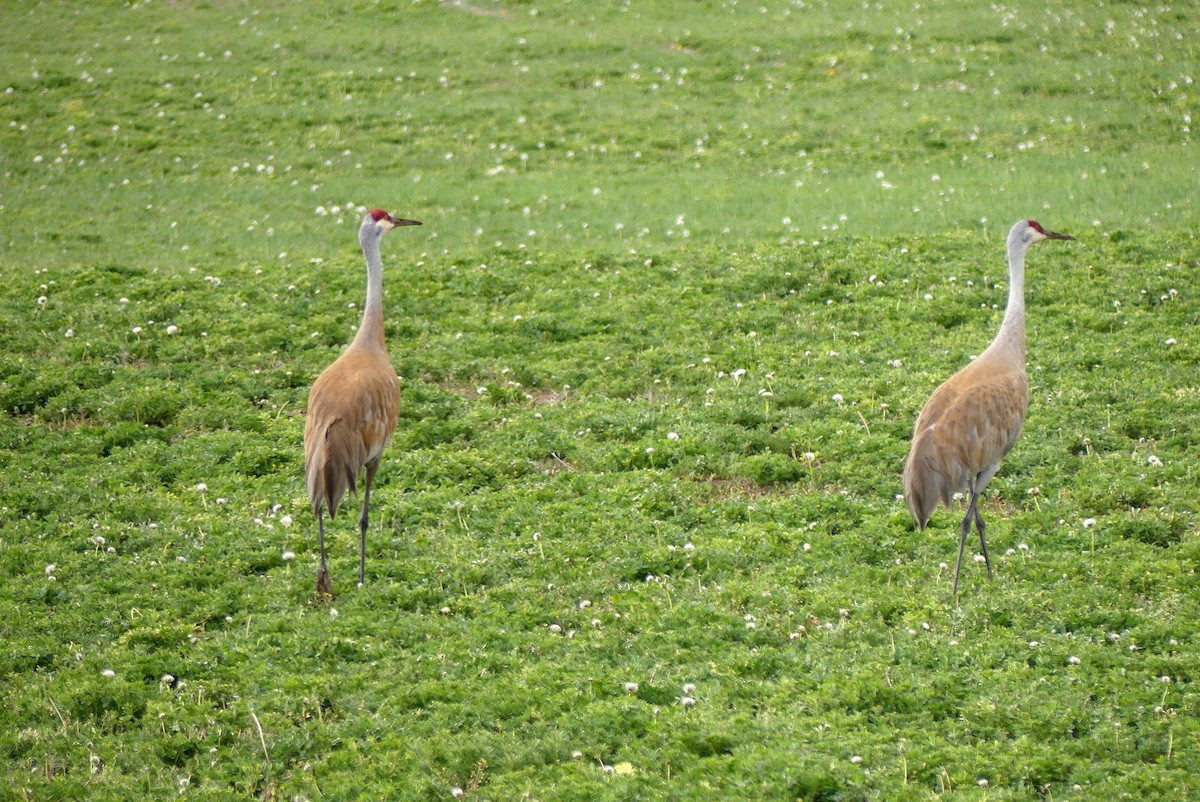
[(687, 273)]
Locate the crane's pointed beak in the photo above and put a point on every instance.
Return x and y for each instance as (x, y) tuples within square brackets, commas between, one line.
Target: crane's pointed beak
[(400, 221), (1056, 235)]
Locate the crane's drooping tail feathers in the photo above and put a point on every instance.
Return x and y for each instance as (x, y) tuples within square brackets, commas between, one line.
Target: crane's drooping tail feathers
[(332, 465), (925, 478)]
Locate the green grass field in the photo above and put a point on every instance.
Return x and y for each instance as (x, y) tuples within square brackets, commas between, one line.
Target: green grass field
[(687, 273)]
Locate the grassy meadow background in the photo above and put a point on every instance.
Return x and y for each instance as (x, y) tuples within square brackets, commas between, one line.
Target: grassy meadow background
[(686, 275)]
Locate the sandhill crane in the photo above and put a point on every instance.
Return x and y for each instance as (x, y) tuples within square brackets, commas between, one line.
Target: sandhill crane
[(352, 406), (973, 419)]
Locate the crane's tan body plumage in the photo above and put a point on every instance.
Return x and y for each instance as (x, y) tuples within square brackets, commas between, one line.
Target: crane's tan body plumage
[(974, 418), (353, 406), (352, 413), (965, 428)]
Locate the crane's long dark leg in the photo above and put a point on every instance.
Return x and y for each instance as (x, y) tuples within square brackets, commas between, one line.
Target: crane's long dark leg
[(973, 514), (982, 541), (362, 521), (962, 543), (324, 586)]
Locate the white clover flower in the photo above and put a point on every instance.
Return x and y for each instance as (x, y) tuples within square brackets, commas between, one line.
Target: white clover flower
[(288, 556), (201, 487), (631, 687), (108, 672)]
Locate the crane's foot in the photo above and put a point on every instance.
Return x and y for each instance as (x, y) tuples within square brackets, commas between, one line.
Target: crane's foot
[(324, 585)]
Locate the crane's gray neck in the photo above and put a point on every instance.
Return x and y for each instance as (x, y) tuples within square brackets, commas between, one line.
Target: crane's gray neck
[(1012, 330), (371, 330)]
